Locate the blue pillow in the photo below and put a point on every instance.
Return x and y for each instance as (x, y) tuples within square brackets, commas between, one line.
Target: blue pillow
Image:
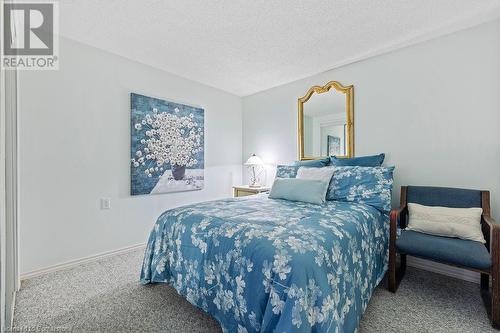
[(286, 171), (367, 185), (322, 162), (365, 161), (305, 190)]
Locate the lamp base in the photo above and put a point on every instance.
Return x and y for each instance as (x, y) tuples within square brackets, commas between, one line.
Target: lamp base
[(254, 185)]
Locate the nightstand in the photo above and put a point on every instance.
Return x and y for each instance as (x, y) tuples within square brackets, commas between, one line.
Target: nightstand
[(244, 190)]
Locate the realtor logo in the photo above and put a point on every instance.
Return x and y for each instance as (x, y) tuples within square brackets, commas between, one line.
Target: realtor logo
[(29, 35)]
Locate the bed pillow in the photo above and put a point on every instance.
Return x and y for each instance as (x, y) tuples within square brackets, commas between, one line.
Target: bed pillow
[(366, 161), (286, 171), (367, 185), (324, 174), (305, 190), (463, 223), (321, 162)]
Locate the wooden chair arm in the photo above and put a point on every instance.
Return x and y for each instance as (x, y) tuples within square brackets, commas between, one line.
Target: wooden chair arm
[(491, 232), (397, 214), (490, 222)]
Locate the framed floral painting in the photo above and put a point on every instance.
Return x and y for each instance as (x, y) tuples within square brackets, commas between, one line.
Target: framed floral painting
[(167, 150)]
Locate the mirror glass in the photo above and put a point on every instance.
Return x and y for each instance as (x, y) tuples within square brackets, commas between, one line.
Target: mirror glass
[(325, 124)]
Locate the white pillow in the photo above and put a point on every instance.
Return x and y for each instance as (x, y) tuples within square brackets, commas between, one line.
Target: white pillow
[(463, 223), (324, 174)]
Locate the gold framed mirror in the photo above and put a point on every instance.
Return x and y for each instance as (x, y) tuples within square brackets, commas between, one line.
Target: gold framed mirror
[(326, 121)]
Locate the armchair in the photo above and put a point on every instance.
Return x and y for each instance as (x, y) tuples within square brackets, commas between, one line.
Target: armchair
[(475, 256)]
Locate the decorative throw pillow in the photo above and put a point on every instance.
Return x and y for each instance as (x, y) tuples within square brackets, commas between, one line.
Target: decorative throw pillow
[(366, 161), (318, 163), (368, 185), (305, 190), (324, 174), (463, 223), (286, 171)]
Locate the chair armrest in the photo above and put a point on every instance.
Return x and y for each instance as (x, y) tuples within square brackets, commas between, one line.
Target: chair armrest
[(491, 230), (397, 214), (490, 222)]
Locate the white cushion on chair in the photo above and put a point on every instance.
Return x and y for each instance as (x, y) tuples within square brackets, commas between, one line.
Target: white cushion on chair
[(463, 223)]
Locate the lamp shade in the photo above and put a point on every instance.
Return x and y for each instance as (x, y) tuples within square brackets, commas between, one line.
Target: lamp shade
[(254, 160)]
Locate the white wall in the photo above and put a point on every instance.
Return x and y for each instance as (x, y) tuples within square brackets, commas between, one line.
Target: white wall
[(433, 108), (75, 148)]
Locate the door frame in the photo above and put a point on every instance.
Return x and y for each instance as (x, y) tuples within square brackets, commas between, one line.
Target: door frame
[(9, 250)]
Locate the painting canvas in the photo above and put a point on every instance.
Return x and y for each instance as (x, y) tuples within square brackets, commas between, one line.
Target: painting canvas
[(333, 145), (167, 150)]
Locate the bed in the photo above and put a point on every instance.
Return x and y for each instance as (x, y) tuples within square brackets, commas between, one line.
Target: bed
[(267, 265)]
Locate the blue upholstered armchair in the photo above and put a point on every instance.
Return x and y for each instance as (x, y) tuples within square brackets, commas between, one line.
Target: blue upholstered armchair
[(475, 256)]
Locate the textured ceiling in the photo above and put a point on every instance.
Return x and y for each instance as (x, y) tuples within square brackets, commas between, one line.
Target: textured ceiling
[(248, 46)]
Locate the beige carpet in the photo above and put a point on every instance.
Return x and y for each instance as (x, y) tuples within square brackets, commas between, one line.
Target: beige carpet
[(105, 296)]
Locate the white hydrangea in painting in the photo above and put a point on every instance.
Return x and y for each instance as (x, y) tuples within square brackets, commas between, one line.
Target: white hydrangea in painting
[(167, 146)]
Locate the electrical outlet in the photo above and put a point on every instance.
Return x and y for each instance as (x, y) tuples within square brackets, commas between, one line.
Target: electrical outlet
[(105, 203)]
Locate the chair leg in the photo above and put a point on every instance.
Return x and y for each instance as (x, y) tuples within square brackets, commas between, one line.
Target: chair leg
[(392, 271), (495, 298), (396, 274), (485, 292), (485, 282), (495, 277), (402, 269)]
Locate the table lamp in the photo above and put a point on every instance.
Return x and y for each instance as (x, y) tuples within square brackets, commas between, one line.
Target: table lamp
[(253, 163)]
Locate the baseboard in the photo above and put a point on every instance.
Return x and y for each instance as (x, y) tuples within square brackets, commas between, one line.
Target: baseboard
[(80, 261), (447, 270)]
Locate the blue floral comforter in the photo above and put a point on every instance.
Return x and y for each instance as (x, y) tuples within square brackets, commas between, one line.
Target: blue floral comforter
[(258, 264)]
